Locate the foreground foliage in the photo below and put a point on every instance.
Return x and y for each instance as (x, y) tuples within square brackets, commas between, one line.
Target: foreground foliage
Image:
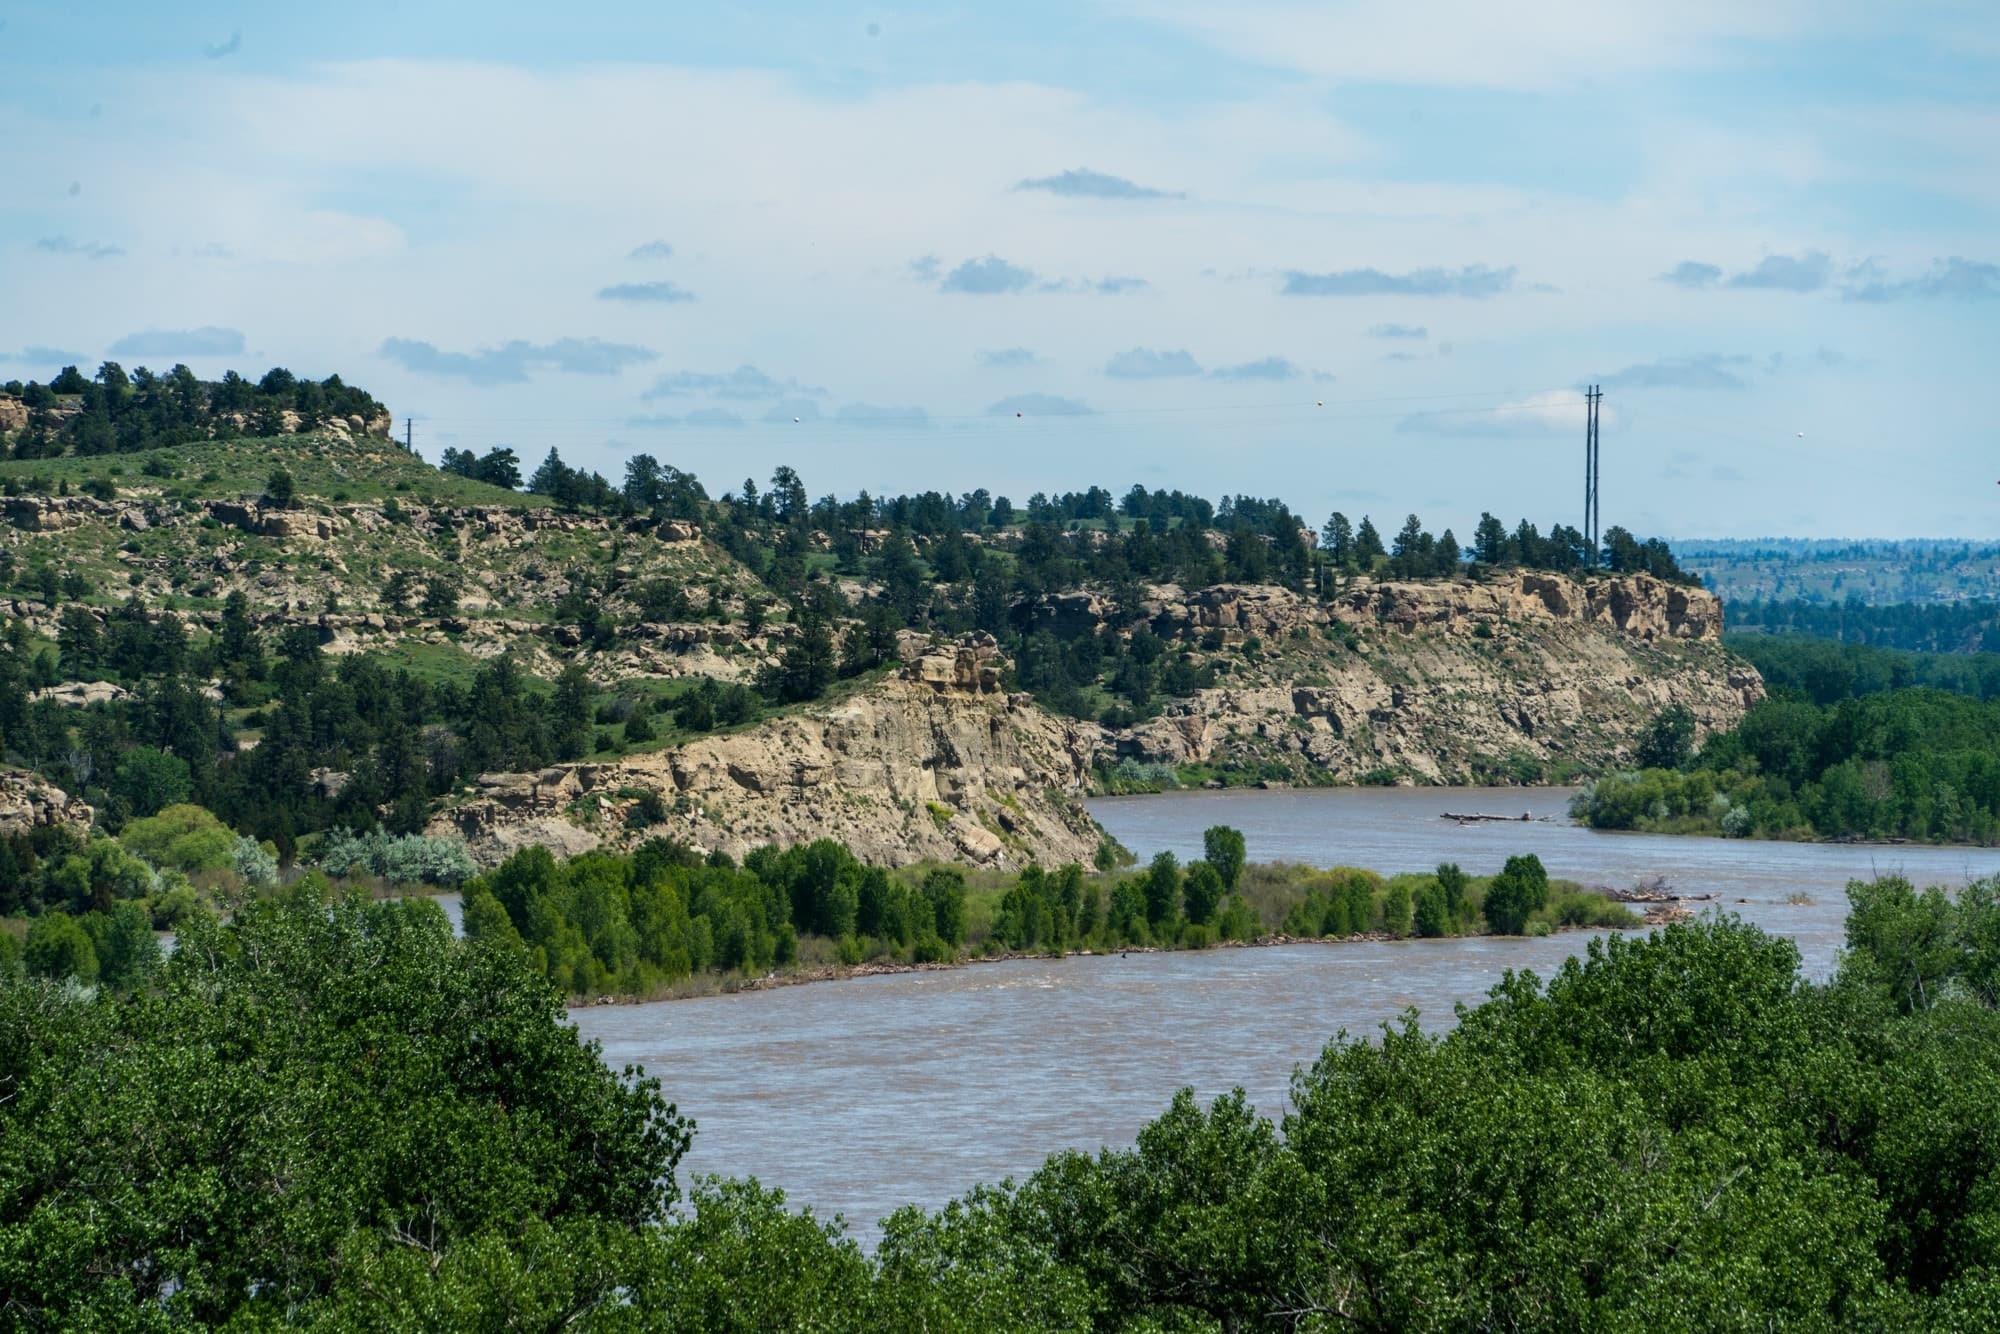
[(338, 1116)]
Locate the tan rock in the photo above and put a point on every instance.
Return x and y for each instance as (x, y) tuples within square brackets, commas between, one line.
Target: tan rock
[(27, 803), (871, 771)]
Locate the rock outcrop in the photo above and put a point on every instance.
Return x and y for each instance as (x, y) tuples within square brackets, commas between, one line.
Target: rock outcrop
[(934, 762), (27, 803), (1524, 677)]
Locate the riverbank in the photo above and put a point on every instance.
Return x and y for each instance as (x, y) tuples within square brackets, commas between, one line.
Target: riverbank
[(1657, 913)]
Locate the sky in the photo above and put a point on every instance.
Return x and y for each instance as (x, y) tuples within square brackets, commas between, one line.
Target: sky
[(1354, 256)]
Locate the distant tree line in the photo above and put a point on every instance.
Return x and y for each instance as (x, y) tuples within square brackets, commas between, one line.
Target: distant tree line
[(1927, 627), (1826, 671), (116, 412)]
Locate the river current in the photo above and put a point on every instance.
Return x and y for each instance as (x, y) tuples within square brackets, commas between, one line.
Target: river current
[(860, 1096)]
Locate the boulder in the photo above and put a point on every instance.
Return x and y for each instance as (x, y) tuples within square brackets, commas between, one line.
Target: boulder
[(28, 803)]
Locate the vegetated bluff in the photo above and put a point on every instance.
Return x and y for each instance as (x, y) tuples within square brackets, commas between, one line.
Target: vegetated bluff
[(932, 744)]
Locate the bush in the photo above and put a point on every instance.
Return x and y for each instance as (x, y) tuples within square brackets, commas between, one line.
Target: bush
[(183, 838), (59, 947), (397, 858), (252, 864)]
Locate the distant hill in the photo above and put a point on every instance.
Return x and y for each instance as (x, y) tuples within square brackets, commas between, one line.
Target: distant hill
[(1833, 571), (116, 412)]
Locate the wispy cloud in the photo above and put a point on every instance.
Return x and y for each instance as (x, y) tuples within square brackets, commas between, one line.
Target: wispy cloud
[(699, 418), (869, 414), (64, 245), (652, 250), (745, 382), (217, 50), (1950, 278), (660, 292), (1808, 272), (1714, 371), (1007, 358), (43, 356), (989, 276), (1266, 368), (1398, 331), (1692, 273), (792, 410), (1556, 412), (512, 363), (1038, 405), (1475, 280), (207, 341), (1083, 183), (1953, 278), (1145, 363)]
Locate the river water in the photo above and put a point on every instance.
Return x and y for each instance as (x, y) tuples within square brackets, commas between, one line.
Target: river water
[(860, 1096)]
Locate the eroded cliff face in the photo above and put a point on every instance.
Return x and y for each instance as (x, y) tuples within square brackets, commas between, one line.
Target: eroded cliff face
[(1527, 677), (937, 762), (27, 802)]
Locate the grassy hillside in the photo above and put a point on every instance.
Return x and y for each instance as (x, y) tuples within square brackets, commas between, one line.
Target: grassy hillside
[(335, 469), (183, 528)]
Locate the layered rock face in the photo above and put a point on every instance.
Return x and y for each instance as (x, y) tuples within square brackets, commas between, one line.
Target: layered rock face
[(1528, 676), (936, 762), (1521, 679), (27, 803)]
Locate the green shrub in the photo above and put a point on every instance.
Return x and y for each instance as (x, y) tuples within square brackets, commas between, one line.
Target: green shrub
[(397, 858), (59, 947)]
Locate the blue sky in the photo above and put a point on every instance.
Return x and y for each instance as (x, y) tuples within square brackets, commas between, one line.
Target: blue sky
[(1354, 255)]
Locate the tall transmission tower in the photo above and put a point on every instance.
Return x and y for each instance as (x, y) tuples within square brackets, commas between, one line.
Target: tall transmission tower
[(1591, 397)]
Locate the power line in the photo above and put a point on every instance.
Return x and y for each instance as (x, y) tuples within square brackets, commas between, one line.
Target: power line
[(1297, 405)]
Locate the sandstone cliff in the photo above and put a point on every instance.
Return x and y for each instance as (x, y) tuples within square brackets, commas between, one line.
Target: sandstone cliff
[(1527, 677), (27, 803), (935, 762)]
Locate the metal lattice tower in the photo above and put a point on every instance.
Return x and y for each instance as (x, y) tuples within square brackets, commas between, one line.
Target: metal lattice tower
[(1591, 397)]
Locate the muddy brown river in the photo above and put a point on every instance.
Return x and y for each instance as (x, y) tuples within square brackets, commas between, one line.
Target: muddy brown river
[(860, 1096)]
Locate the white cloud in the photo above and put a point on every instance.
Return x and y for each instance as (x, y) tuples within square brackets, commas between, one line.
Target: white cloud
[(1038, 405), (1554, 412), (1146, 363), (207, 341), (660, 292), (745, 382), (516, 361)]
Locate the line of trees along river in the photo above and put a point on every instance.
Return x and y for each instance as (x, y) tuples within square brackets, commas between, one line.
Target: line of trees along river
[(337, 1115)]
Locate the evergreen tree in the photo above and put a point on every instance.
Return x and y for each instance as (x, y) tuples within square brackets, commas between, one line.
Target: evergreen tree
[(1367, 543)]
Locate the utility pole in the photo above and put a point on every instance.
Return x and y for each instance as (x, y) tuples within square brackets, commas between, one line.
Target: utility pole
[(408, 427), (1591, 397)]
